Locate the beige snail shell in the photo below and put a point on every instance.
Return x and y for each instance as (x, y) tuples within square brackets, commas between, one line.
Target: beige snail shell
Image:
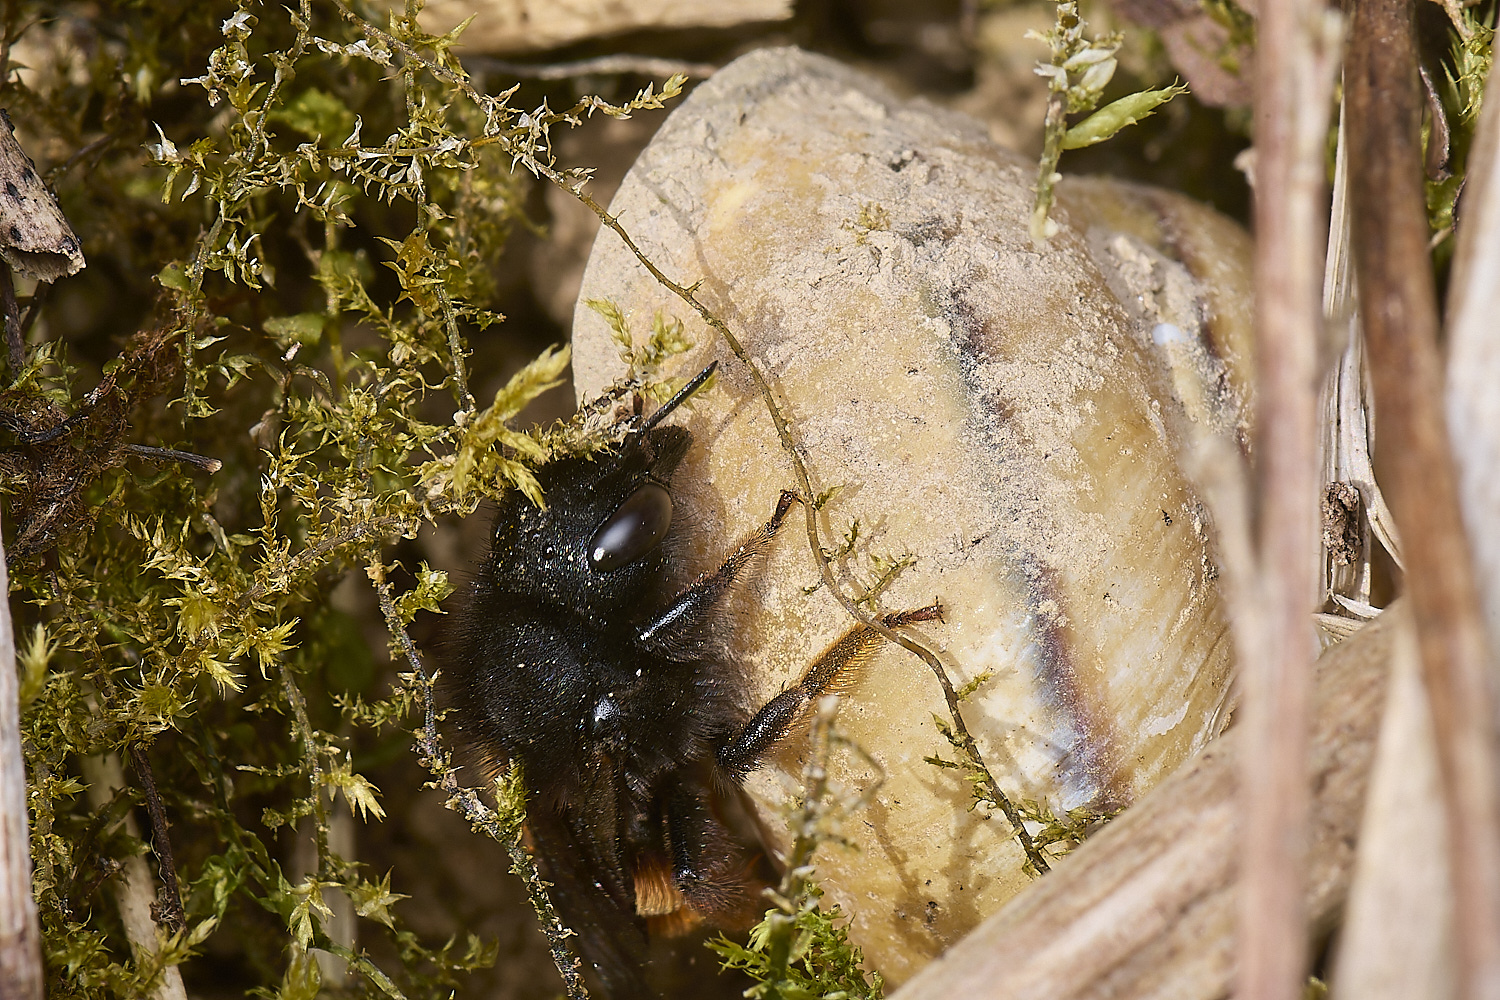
[(1008, 415)]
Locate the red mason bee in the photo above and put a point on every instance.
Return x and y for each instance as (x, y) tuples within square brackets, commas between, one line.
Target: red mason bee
[(615, 696)]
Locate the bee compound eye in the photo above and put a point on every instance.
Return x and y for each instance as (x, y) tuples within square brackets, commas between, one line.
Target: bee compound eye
[(636, 527)]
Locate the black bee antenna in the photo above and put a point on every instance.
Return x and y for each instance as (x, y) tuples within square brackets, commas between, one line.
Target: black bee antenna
[(694, 384)]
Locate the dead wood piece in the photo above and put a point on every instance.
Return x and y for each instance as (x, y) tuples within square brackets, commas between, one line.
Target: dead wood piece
[(173, 455), (535, 25), (1147, 907), (35, 238), (1273, 634), (653, 66), (15, 339), (1202, 49)]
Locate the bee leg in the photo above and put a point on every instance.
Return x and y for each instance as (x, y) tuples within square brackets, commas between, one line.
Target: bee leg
[(706, 866), (830, 673), (678, 631)]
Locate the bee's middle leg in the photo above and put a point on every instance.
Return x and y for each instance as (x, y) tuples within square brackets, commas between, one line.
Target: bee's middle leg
[(828, 674)]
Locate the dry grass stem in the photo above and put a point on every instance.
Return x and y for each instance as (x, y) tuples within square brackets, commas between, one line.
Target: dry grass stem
[(1411, 958), (1273, 629), (1399, 311), (1474, 356), (1347, 434)]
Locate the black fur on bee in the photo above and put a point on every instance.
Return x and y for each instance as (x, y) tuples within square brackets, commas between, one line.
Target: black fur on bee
[(618, 701)]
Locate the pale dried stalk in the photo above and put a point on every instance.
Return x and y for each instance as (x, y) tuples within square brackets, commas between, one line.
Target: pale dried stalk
[(341, 926), (20, 932), (135, 888), (1399, 308), (516, 26), (1344, 432), (1273, 626), (1146, 907), (652, 66), (1474, 356), (1397, 870), (1347, 432)]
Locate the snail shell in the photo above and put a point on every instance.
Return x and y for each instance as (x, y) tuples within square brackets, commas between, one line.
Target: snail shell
[(1010, 416)]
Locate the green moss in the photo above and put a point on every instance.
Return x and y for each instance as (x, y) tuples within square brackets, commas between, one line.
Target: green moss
[(1458, 94), (1077, 70), (801, 951), (289, 252)]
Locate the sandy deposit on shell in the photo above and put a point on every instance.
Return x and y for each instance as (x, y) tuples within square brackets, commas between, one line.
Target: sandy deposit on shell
[(990, 408)]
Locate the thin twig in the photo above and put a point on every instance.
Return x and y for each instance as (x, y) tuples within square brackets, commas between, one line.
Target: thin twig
[(1440, 133), (466, 802), (34, 307), (1413, 456), (285, 71), (456, 352), (601, 66), (1273, 612), (171, 912), (54, 174), (688, 294), (8, 39), (15, 340), (133, 886), (64, 427), (1455, 11), (172, 455), (134, 360)]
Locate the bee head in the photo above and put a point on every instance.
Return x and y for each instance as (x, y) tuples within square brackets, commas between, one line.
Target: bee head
[(596, 547)]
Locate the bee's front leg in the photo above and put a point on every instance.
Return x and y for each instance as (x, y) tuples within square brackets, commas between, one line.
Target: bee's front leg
[(679, 632), (830, 673)]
